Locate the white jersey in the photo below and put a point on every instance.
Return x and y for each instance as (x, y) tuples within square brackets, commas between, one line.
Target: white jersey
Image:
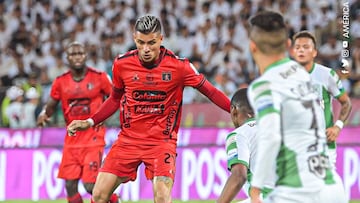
[(328, 85), (241, 148), (15, 113), (290, 139)]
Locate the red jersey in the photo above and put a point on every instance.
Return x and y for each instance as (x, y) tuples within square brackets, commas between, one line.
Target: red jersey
[(81, 99), (150, 109)]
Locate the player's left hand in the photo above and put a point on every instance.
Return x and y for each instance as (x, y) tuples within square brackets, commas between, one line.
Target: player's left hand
[(332, 133)]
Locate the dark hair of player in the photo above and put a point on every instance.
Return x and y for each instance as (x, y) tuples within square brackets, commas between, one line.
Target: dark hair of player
[(268, 32), (304, 34), (240, 102), (148, 24)]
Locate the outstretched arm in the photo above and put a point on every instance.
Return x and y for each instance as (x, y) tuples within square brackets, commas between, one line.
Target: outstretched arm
[(107, 109), (233, 184), (215, 95)]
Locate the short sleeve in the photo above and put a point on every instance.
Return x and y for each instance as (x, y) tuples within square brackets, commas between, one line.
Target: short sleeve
[(191, 76), (55, 92)]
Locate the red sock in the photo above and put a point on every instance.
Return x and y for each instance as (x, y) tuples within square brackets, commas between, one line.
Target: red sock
[(75, 199), (114, 198)]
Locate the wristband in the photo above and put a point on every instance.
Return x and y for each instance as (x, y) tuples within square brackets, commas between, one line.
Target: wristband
[(43, 112), (339, 124), (90, 121)]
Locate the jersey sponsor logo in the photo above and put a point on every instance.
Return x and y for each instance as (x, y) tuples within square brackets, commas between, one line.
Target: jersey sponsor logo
[(319, 164), (151, 96), (305, 91), (149, 77), (232, 153), (166, 76), (169, 121), (251, 124), (78, 107), (150, 80), (290, 71), (150, 109), (231, 139)]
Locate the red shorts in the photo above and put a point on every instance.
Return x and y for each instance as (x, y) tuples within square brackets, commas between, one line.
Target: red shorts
[(81, 163), (123, 160)]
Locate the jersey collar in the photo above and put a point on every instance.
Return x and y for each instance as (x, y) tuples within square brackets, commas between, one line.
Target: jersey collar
[(249, 120), (281, 61), (312, 68), (157, 62)]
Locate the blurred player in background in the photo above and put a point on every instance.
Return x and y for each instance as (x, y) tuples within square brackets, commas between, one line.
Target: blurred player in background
[(148, 88), (328, 86), (81, 91), (290, 122), (241, 148)]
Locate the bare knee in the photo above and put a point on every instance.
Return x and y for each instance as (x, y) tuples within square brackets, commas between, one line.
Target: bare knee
[(105, 185), (162, 189), (99, 196)]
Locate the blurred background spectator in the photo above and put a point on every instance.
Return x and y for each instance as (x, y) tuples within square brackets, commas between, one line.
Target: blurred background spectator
[(213, 34)]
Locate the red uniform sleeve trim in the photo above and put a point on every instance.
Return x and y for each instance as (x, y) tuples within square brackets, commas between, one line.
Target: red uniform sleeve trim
[(215, 95), (109, 107)]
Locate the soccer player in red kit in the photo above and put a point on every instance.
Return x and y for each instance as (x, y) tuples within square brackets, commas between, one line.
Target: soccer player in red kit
[(148, 87), (81, 91)]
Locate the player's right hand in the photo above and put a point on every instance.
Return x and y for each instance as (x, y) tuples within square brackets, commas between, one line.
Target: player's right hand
[(255, 194), (76, 125), (42, 119)]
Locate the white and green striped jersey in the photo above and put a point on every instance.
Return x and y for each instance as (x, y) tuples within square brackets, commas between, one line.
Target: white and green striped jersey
[(291, 129), (241, 148), (328, 85)]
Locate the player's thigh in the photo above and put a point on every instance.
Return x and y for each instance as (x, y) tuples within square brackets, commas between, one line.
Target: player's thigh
[(106, 183), (69, 167), (160, 161), (92, 157), (122, 161)]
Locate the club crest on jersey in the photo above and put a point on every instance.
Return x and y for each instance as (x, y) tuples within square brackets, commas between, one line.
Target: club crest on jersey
[(166, 76), (90, 86)]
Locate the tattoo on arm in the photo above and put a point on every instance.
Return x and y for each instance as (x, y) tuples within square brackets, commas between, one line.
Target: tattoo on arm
[(345, 109)]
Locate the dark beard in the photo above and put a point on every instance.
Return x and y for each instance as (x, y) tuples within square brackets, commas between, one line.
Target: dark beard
[(78, 69)]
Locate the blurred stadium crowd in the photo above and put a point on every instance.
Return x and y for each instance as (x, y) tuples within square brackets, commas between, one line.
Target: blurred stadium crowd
[(213, 34)]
